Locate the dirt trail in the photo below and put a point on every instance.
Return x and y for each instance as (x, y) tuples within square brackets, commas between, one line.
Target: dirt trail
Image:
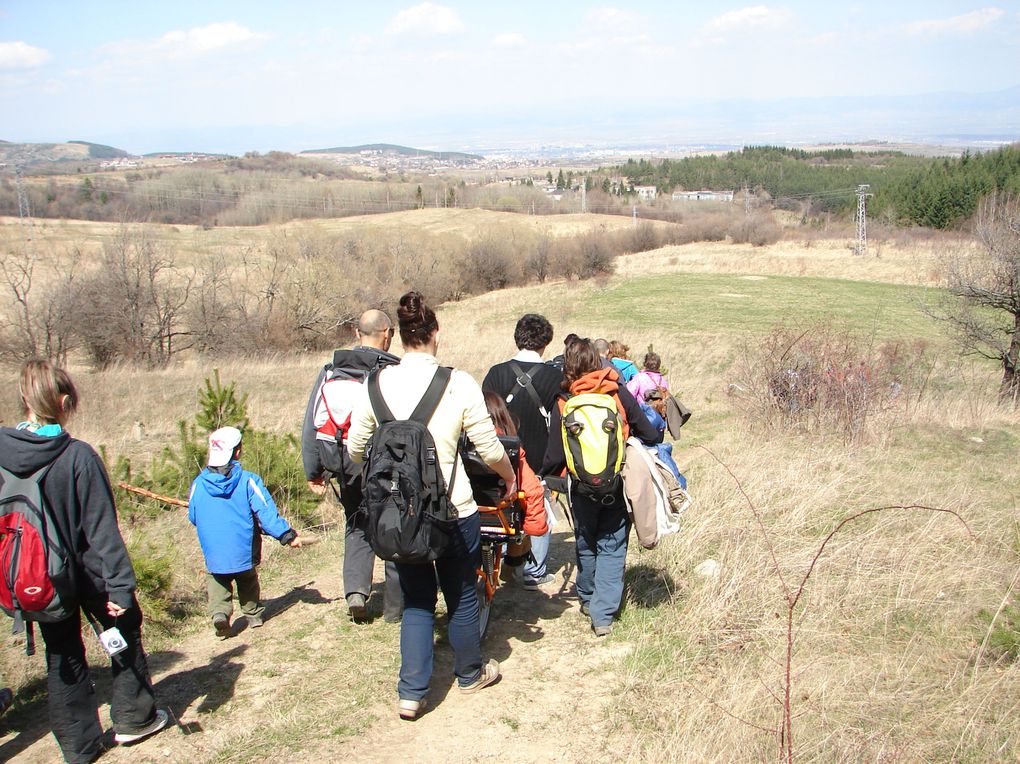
[(557, 682)]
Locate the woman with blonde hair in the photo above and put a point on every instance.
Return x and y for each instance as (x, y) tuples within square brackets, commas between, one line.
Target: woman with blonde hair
[(76, 490), (617, 356)]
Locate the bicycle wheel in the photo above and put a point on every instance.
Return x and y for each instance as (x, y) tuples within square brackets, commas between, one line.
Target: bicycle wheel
[(484, 598)]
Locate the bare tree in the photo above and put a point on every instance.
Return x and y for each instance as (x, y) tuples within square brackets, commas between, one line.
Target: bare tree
[(132, 307), (985, 315), (35, 323)]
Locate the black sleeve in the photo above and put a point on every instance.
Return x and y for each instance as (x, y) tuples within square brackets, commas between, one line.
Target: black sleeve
[(640, 427), (309, 448), (554, 461), (489, 383), (99, 526), (553, 384)]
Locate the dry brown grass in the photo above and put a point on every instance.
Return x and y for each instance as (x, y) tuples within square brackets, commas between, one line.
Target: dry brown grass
[(909, 264), (888, 663)]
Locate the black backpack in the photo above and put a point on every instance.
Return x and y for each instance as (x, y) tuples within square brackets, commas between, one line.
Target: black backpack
[(410, 516)]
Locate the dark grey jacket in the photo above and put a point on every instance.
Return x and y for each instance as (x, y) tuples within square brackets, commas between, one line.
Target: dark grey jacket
[(78, 491), (356, 363)]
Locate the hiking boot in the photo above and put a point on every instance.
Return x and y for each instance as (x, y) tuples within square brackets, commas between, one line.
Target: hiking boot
[(584, 609), (490, 673), (221, 622), (255, 621), (127, 738), (602, 631), (6, 699), (533, 584), (409, 710), (357, 607)]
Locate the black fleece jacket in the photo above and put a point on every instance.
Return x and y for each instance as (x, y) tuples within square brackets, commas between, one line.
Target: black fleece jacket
[(77, 489), (355, 363)]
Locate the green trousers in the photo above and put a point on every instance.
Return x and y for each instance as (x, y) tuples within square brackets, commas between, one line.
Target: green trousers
[(221, 593)]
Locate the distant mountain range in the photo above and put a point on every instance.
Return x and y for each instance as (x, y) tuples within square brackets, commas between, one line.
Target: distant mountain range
[(72, 151), (392, 150)]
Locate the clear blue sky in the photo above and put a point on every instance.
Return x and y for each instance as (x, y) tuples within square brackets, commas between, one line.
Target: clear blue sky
[(234, 75)]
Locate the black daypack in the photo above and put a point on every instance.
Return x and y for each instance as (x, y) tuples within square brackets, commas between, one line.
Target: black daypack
[(410, 517)]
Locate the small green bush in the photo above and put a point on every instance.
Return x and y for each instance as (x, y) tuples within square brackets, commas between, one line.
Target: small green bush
[(277, 458), (1004, 639), (155, 578)]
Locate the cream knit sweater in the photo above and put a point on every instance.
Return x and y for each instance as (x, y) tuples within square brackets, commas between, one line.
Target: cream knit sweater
[(461, 408)]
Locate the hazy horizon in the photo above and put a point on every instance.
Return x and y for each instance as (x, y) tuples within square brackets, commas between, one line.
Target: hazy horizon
[(232, 77)]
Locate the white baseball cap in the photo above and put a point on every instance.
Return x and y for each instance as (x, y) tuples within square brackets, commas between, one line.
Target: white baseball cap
[(222, 443)]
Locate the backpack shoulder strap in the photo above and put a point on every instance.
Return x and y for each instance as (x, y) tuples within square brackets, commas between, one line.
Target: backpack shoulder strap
[(22, 486), (524, 379), (379, 407), (430, 400)]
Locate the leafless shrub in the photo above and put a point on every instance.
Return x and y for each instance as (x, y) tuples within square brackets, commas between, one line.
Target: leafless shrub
[(983, 311), (38, 321), (823, 380), (131, 308), (755, 230), (538, 259), (643, 237), (489, 264)]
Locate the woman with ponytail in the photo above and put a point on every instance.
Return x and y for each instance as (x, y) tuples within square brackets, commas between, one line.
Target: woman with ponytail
[(76, 489), (461, 409)]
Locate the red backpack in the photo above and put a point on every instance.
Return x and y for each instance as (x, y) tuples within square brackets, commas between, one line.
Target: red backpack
[(36, 573)]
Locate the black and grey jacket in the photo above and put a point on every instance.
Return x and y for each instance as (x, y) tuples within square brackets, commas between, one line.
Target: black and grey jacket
[(77, 490)]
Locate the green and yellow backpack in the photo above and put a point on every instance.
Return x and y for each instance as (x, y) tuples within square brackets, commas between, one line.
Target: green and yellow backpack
[(593, 444)]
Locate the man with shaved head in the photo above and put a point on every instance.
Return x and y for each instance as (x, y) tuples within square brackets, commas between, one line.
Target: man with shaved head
[(327, 417)]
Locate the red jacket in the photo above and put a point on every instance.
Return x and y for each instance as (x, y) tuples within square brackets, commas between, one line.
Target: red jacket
[(535, 521)]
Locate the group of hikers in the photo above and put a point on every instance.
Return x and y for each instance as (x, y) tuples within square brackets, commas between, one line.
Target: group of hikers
[(367, 412)]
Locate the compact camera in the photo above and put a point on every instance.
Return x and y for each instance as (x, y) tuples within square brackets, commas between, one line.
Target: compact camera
[(113, 641)]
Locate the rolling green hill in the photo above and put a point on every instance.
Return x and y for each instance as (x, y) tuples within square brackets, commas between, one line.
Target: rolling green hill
[(390, 149)]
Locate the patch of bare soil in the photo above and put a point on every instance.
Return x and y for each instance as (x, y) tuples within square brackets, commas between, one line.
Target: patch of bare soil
[(227, 695)]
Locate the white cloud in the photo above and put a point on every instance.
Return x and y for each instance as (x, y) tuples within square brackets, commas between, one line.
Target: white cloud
[(509, 40), (225, 34), (749, 19), (21, 55), (188, 43), (610, 19), (963, 24), (426, 19)]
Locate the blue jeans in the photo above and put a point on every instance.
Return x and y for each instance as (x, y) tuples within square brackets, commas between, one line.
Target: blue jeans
[(601, 534), (540, 550), (456, 575)]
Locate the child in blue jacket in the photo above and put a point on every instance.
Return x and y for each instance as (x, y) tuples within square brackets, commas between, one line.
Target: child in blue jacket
[(231, 509)]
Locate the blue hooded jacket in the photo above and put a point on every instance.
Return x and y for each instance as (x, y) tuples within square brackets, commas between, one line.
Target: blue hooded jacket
[(230, 513)]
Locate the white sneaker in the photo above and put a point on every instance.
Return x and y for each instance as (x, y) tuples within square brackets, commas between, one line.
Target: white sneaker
[(490, 673), (126, 738), (409, 709)]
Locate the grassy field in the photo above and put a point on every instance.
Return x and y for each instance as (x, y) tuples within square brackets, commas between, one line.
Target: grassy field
[(194, 242), (892, 659)]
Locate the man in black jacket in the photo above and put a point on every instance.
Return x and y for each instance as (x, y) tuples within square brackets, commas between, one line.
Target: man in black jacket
[(529, 388), (325, 458)]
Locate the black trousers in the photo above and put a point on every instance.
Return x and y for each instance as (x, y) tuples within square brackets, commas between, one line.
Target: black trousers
[(359, 559), (74, 712)]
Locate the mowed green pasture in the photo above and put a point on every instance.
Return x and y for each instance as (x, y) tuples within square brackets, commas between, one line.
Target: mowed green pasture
[(713, 304)]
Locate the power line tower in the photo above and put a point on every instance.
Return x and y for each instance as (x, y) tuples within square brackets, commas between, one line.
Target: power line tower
[(584, 194), (747, 201), (861, 246)]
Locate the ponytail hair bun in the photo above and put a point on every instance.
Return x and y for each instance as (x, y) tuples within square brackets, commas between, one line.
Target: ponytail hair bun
[(417, 321)]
